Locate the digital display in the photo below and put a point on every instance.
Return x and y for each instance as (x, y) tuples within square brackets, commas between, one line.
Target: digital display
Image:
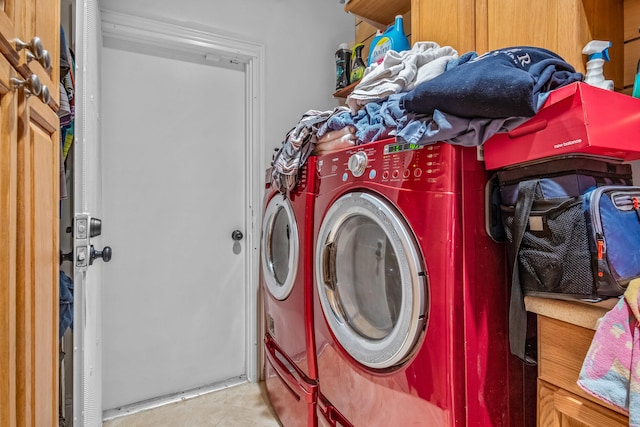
[(404, 146)]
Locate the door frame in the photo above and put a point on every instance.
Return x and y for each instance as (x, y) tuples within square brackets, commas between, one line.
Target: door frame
[(208, 46)]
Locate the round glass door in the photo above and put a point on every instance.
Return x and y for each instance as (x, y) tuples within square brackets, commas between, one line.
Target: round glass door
[(370, 280), (280, 247)]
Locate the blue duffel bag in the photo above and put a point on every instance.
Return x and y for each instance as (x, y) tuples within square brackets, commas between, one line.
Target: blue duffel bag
[(613, 223)]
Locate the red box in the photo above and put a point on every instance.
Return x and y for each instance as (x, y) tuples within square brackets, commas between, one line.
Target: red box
[(577, 118)]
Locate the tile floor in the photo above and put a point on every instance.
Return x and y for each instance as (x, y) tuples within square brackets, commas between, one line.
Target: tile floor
[(243, 405)]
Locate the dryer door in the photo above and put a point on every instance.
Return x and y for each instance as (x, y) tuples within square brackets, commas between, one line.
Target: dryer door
[(370, 280), (280, 247)]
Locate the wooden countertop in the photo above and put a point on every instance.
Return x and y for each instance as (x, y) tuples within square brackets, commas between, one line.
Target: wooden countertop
[(585, 314)]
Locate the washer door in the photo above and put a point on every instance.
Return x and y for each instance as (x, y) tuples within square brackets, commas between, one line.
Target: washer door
[(370, 280), (280, 247)]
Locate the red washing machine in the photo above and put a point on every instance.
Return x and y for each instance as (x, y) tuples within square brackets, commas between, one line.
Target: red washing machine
[(410, 293), (287, 280)]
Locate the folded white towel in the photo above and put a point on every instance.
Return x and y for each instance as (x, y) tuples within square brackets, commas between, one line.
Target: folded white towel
[(400, 72)]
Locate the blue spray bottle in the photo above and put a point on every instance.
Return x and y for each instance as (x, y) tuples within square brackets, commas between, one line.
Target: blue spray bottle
[(598, 52), (636, 83)]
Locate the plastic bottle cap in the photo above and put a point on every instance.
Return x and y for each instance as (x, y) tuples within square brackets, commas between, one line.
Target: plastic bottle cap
[(343, 46)]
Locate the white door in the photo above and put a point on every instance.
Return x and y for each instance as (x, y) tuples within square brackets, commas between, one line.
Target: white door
[(170, 164), (87, 370), (173, 194)]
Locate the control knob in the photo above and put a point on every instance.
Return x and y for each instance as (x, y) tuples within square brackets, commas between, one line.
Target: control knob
[(357, 163)]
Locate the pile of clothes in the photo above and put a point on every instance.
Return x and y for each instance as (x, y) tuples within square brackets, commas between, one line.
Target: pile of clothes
[(429, 94)]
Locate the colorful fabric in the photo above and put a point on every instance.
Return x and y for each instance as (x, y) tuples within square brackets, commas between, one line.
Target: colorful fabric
[(611, 369)]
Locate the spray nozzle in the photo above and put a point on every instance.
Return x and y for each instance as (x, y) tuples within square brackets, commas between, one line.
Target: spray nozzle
[(357, 49), (597, 49), (598, 52)]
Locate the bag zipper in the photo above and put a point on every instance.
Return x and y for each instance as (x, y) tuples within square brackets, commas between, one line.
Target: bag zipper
[(623, 198), (626, 202)]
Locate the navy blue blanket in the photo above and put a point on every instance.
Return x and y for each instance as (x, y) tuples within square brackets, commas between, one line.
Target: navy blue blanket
[(511, 82)]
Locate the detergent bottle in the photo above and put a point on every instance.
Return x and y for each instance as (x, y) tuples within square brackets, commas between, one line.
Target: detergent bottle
[(393, 38), (373, 45), (598, 52), (358, 67), (343, 66)]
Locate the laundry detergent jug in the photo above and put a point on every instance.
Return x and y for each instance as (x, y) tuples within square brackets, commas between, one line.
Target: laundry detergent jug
[(392, 39)]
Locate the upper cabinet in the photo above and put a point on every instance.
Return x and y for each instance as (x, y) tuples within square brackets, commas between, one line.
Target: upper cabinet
[(562, 26), (379, 13), (30, 40)]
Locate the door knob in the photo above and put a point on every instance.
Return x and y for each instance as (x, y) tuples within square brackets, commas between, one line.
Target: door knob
[(237, 235), (66, 257), (95, 228), (105, 254)]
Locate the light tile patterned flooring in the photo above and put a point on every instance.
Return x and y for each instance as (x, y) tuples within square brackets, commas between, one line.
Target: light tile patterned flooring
[(244, 405)]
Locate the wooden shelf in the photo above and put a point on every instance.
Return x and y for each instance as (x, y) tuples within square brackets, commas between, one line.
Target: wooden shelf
[(379, 13), (345, 91)]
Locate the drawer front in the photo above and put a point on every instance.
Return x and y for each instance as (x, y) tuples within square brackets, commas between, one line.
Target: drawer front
[(558, 407), (562, 348)]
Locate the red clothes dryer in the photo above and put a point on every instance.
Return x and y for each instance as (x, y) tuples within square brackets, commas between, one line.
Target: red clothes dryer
[(410, 293), (286, 271)]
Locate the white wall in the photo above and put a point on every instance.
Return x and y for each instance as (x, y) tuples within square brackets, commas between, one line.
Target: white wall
[(300, 39)]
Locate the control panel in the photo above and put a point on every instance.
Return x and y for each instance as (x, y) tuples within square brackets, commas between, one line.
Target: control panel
[(390, 163)]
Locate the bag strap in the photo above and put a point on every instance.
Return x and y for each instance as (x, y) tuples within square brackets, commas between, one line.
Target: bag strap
[(565, 166), (517, 311)]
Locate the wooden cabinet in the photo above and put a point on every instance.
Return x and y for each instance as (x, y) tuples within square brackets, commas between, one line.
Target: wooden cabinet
[(29, 206), (448, 23), (557, 407), (378, 13), (565, 332), (562, 26)]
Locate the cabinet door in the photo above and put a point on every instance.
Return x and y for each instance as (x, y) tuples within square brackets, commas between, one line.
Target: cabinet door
[(29, 156), (29, 206), (562, 26), (446, 22), (559, 408), (8, 244), (37, 263)]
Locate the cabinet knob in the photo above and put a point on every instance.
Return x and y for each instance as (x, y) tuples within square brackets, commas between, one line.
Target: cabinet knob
[(45, 60), (31, 84), (35, 46), (45, 95)]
